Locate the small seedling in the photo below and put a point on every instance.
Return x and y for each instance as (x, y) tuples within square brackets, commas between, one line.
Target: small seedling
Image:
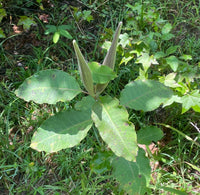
[(58, 31)]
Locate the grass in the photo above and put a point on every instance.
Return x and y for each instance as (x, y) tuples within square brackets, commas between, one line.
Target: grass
[(25, 171)]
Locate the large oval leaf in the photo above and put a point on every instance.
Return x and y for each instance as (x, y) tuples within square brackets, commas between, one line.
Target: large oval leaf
[(114, 127), (144, 95), (64, 130), (49, 86), (133, 177)]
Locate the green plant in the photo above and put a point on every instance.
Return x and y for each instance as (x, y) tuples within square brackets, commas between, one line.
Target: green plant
[(148, 45), (69, 127), (82, 15), (26, 22), (58, 31)]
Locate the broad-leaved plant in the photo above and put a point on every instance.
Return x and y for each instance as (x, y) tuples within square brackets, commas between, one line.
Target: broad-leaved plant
[(68, 128)]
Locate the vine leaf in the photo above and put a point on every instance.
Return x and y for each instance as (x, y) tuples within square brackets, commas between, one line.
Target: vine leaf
[(26, 22), (112, 122), (191, 100), (146, 61), (64, 130), (145, 95), (124, 40), (49, 86)]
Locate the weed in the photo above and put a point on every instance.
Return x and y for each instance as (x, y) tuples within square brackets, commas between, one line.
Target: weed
[(72, 171)]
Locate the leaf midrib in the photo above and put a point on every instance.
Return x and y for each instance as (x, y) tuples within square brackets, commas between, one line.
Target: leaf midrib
[(116, 128)]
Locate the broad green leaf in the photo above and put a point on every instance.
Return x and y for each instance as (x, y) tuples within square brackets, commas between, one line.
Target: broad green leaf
[(173, 62), (124, 40), (56, 37), (2, 13), (26, 22), (49, 86), (171, 50), (85, 104), (101, 73), (166, 28), (85, 73), (133, 177), (65, 34), (144, 95), (109, 60), (191, 100), (112, 122), (146, 61), (64, 130), (148, 134), (2, 35)]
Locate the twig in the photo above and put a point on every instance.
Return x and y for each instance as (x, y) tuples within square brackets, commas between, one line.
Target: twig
[(195, 126)]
